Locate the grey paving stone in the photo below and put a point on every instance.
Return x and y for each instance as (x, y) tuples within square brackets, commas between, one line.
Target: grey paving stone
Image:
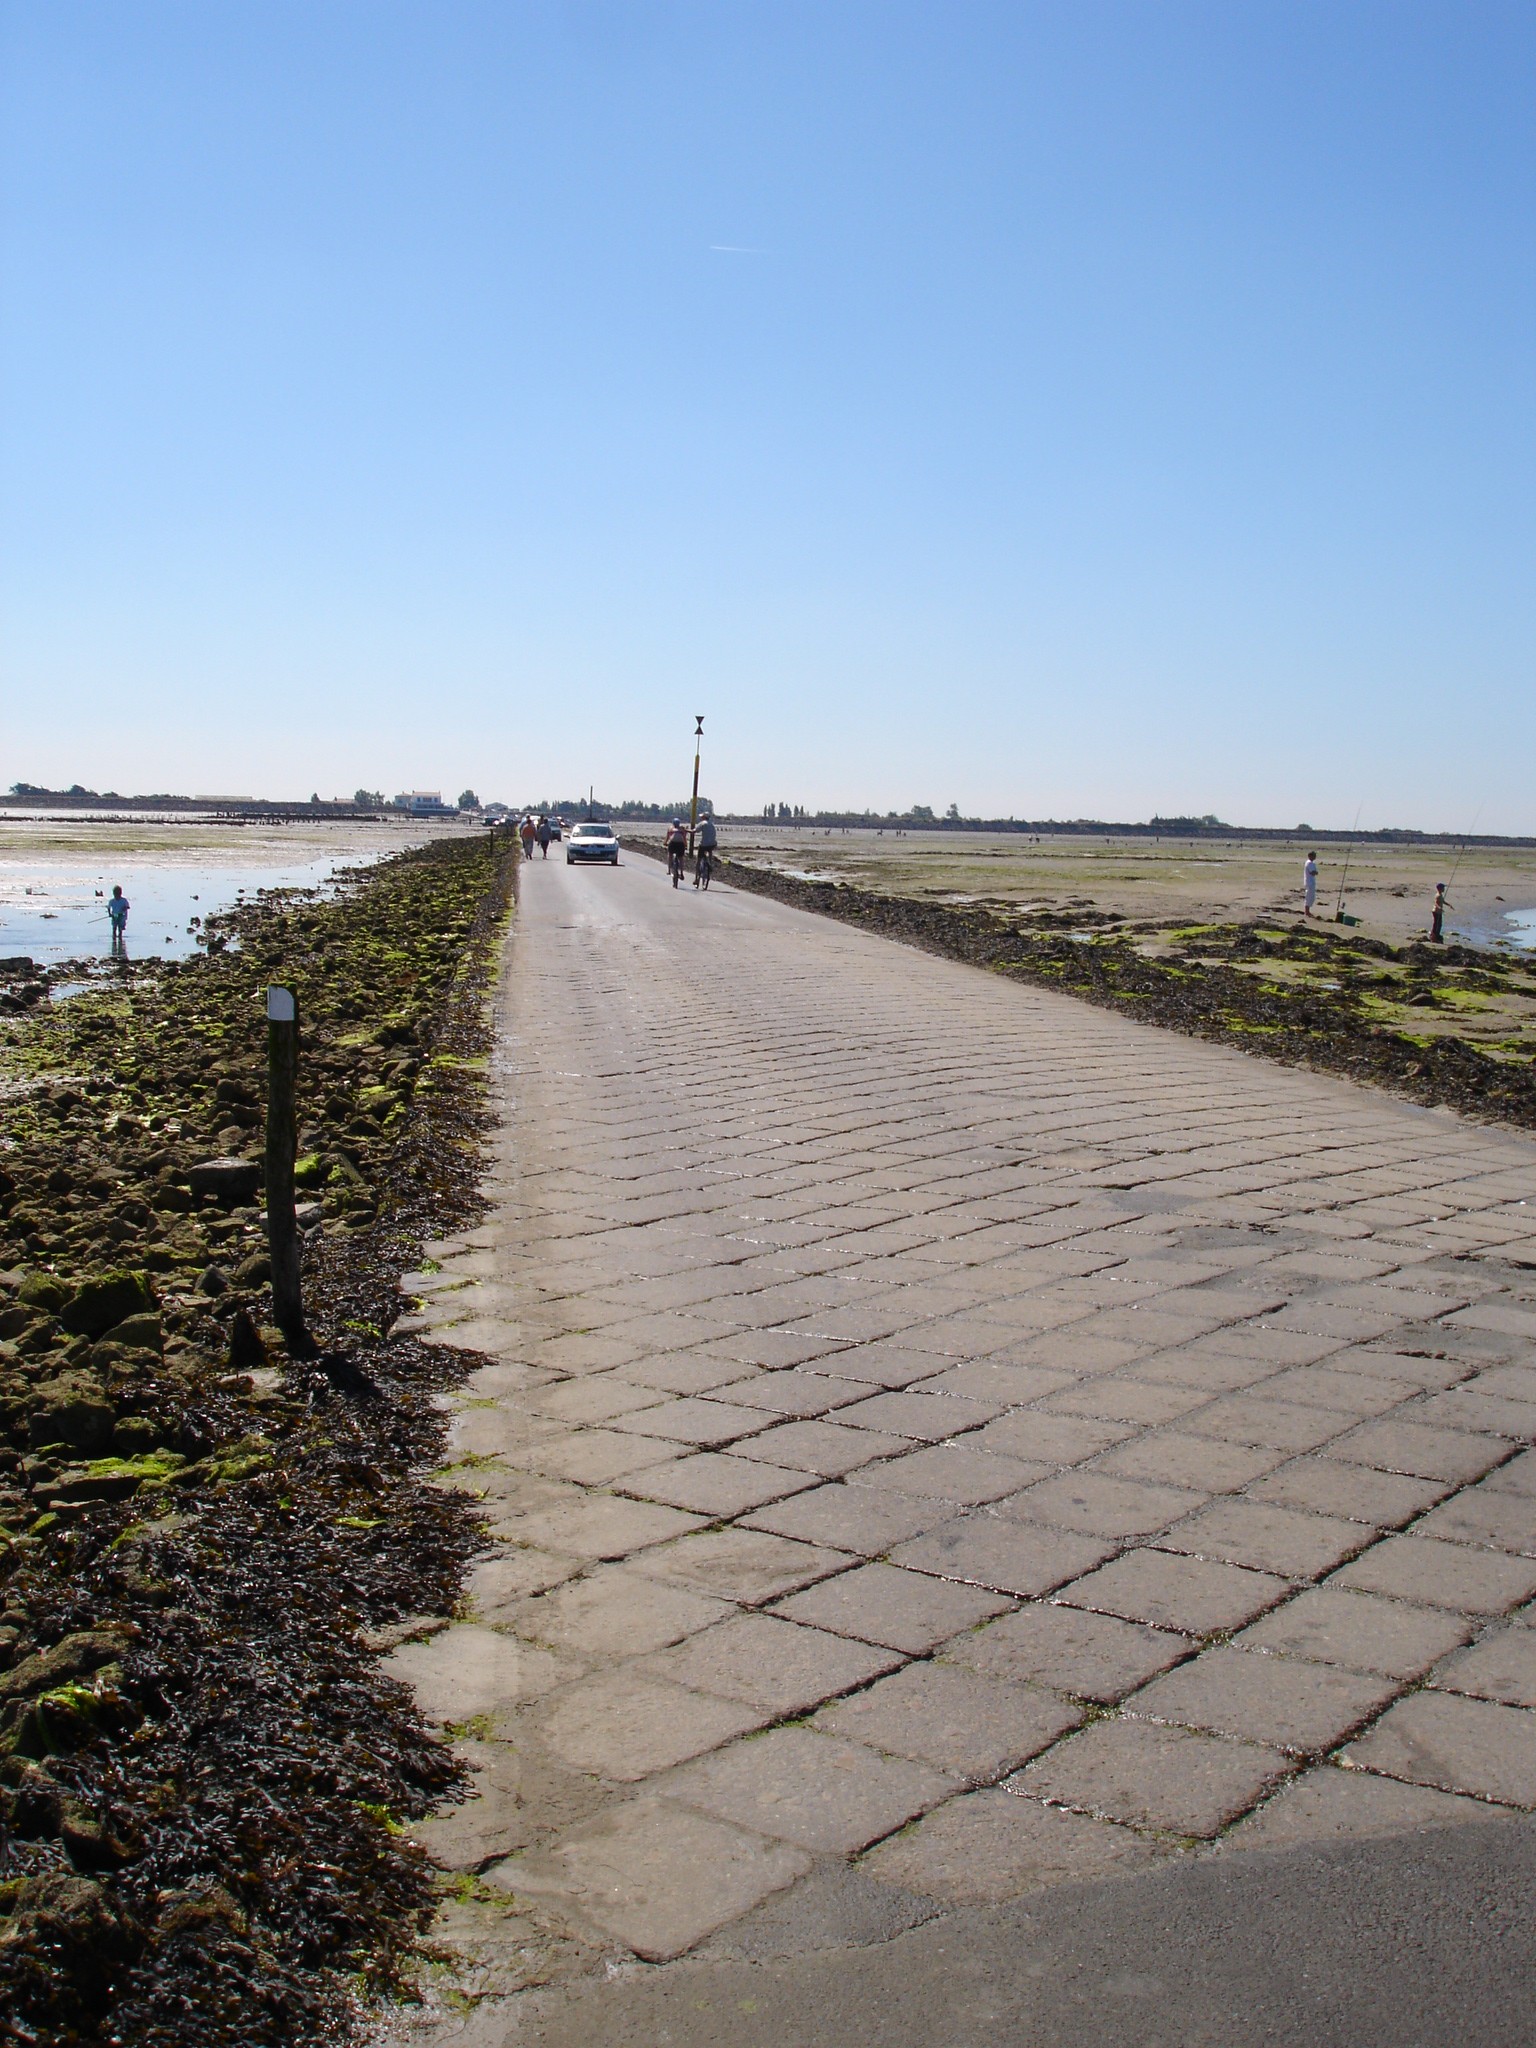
[(825, 1448), (1421, 1452), (469, 1672), (1204, 1465), (988, 1846), (498, 1582), (824, 1794), (626, 1725), (1088, 1656), (1504, 1521), (1118, 1397), (682, 1372), (1192, 1594), (1048, 1442), (997, 1382), (591, 1400), (971, 1726), (1327, 1486), (616, 1612), (853, 1518), (598, 1525), (1461, 1745), (1442, 1575), (694, 1419), (1278, 1701), (715, 1484), (593, 1457), (929, 1418), (1329, 1804), (1331, 1625), (1002, 1552), (1145, 1776), (1500, 1667), (509, 1806), (744, 1565), (884, 1365), (1268, 1538), (655, 1877), (772, 1663), (879, 1603), (1099, 1504), (805, 1394), (1518, 1476), (960, 1473), (1265, 1425)]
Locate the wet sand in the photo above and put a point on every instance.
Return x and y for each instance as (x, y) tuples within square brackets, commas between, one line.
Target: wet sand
[(1163, 881)]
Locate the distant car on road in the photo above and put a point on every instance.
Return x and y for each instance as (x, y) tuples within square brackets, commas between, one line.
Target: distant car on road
[(592, 841), (555, 828)]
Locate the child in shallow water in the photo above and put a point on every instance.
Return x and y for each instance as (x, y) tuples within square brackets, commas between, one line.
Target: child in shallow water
[(117, 910)]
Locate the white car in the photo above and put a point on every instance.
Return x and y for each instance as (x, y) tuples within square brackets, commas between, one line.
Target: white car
[(591, 841)]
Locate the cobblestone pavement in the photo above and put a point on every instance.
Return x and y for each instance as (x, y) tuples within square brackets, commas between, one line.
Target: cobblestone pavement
[(944, 1441)]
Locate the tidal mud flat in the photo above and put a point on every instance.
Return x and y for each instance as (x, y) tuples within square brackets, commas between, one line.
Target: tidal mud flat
[(204, 1544), (1450, 1026)]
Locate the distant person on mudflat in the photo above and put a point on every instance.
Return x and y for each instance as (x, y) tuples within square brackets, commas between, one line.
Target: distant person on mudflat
[(1309, 883), (117, 913), (1437, 916), (544, 838)]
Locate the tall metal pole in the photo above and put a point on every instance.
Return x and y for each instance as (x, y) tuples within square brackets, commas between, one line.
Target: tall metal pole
[(698, 743)]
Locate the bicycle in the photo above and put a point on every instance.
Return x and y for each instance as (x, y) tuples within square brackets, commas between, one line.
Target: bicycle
[(704, 867), (675, 864)]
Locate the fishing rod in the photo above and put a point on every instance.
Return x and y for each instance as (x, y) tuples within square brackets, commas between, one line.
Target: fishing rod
[(1338, 908), (1466, 842)]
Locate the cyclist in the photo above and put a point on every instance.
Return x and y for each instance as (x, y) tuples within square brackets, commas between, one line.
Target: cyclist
[(709, 840), (677, 846)]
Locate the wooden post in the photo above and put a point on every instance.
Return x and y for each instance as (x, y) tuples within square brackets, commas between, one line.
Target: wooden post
[(282, 1144)]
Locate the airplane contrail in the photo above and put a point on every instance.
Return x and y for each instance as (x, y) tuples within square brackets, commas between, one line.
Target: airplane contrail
[(736, 249)]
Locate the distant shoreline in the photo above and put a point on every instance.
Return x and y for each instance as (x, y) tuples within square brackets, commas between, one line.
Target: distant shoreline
[(274, 810)]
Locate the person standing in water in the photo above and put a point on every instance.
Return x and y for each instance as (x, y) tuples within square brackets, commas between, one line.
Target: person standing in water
[(1309, 883), (1437, 916), (117, 915)]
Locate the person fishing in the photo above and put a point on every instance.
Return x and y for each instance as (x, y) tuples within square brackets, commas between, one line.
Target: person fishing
[(1437, 916), (117, 914), (1309, 884)]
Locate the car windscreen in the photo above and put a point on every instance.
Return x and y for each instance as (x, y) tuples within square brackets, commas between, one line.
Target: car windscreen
[(591, 832)]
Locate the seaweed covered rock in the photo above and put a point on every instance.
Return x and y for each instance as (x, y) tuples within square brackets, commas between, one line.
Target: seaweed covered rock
[(230, 1181), (111, 1298), (70, 1409)]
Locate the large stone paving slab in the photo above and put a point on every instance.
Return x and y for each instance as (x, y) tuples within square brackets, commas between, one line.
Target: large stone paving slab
[(1027, 1365)]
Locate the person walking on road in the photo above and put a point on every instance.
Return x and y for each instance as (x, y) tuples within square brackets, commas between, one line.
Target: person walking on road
[(543, 838), (1309, 884), (526, 835)]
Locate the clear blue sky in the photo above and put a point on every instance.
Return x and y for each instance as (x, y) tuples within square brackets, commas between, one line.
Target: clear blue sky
[(1061, 407)]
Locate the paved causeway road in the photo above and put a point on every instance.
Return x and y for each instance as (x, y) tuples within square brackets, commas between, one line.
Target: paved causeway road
[(1009, 1525)]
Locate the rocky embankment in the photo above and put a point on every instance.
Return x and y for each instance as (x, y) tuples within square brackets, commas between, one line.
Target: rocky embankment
[(1315, 995), (204, 1544)]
